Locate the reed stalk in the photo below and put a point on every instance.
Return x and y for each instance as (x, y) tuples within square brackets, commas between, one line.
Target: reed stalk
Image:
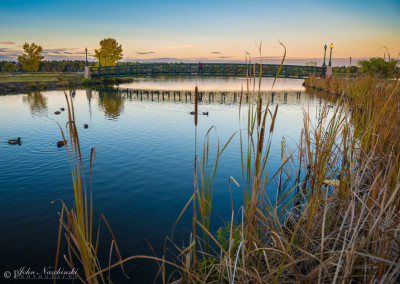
[(77, 222)]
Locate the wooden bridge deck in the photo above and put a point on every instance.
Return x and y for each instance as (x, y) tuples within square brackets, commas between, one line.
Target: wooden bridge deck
[(212, 69)]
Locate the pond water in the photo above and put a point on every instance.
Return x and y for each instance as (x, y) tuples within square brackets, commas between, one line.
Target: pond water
[(214, 83), (144, 171)]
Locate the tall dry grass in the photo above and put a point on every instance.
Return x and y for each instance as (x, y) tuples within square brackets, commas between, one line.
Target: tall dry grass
[(339, 221)]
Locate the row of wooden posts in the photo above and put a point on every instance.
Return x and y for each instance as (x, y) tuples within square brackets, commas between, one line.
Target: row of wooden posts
[(204, 96)]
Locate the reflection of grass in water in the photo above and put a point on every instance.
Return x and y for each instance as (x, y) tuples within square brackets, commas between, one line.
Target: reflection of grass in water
[(37, 103), (111, 103)]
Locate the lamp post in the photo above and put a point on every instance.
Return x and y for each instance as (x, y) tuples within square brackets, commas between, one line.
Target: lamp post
[(324, 55), (99, 58), (86, 56), (330, 57)]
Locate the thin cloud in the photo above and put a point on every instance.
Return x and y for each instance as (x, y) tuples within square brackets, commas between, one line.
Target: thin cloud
[(9, 54), (160, 59), (216, 52), (7, 42), (180, 46), (50, 54), (55, 49), (61, 51), (145, 52), (268, 57)]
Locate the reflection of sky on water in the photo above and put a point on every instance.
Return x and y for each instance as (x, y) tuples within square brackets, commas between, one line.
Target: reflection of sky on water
[(213, 83)]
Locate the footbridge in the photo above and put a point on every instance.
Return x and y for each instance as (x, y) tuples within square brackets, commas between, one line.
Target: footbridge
[(206, 69)]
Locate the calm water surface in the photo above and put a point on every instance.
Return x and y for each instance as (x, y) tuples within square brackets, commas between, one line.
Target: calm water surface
[(213, 83), (144, 171)]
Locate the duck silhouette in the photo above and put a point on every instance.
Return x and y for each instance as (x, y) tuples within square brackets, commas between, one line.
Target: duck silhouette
[(85, 126), (57, 112), (61, 143), (15, 141)]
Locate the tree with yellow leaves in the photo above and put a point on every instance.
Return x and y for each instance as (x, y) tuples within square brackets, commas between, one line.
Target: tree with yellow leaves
[(30, 60), (109, 53)]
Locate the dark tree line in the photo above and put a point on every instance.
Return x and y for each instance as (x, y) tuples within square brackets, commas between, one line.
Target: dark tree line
[(346, 69), (49, 66)]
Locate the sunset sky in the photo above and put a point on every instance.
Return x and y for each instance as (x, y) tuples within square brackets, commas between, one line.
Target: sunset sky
[(203, 30)]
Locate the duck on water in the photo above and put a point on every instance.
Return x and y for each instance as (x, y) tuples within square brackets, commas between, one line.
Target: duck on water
[(61, 143), (204, 113), (15, 141)]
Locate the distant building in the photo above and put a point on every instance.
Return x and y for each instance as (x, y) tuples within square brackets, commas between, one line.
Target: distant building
[(311, 63)]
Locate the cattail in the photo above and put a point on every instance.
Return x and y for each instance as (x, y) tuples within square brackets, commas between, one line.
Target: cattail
[(261, 140), (240, 100), (196, 103), (259, 111), (273, 120)]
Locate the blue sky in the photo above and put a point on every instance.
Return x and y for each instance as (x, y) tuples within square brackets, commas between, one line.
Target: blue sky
[(202, 30)]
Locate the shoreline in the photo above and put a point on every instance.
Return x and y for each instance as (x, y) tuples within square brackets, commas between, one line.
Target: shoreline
[(18, 87)]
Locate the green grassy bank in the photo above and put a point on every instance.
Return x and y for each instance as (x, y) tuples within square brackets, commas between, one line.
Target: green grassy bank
[(23, 82), (38, 77)]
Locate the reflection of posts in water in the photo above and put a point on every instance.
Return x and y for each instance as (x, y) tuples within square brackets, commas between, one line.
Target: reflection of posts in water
[(37, 103), (111, 103), (322, 98), (278, 97), (89, 98), (89, 95), (298, 97)]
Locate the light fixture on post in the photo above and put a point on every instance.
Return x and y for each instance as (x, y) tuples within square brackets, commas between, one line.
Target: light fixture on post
[(324, 55), (86, 56)]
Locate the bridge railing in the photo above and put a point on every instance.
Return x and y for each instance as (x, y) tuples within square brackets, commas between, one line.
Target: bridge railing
[(210, 69)]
